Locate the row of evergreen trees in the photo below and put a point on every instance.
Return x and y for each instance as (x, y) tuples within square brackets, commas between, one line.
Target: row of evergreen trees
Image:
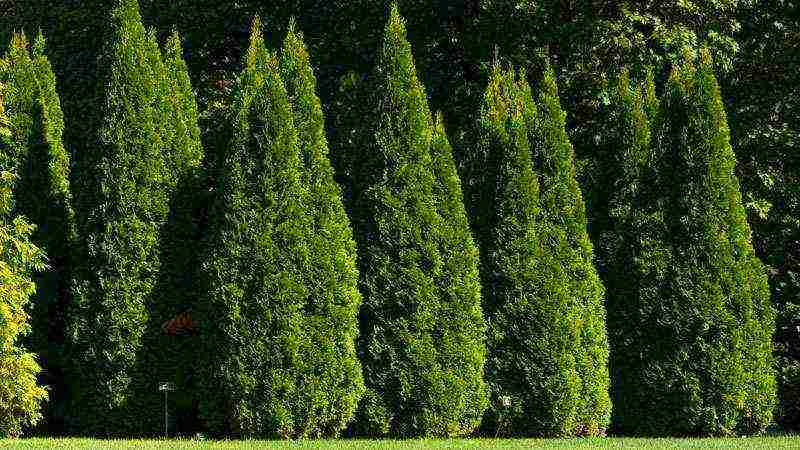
[(386, 322)]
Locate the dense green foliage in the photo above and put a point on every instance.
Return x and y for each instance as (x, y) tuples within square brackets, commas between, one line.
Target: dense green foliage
[(694, 321), (618, 225), (689, 315), (563, 216), (20, 395), (531, 365), (42, 195), (754, 44), (141, 153), (168, 350), (277, 314), (422, 331), (548, 353), (332, 276)]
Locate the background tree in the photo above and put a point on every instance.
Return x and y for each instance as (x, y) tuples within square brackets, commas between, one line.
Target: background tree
[(422, 332), (20, 396), (42, 194), (762, 96), (621, 225), (333, 302)]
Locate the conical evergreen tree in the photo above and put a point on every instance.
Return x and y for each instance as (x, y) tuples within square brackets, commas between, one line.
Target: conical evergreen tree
[(20, 396), (186, 150), (42, 194), (332, 311), (533, 321), (127, 203), (563, 219), (699, 330), (264, 374), (624, 149), (422, 331)]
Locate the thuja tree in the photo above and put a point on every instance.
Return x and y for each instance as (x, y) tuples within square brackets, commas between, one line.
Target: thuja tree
[(533, 320), (459, 287), (623, 145), (564, 235), (422, 330), (126, 203), (332, 278), (41, 194), (265, 372), (20, 395), (699, 330)]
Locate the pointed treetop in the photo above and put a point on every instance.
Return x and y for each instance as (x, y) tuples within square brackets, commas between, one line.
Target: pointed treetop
[(548, 96), (18, 47), (39, 44), (257, 48), (258, 58), (295, 54), (499, 97), (549, 85), (127, 12), (395, 54), (632, 101), (293, 34), (301, 84), (528, 105), (397, 24), (174, 46)]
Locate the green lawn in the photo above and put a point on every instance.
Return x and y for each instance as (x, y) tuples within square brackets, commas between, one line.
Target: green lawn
[(611, 443)]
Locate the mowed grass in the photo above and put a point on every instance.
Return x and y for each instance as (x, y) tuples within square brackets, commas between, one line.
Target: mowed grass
[(787, 442)]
